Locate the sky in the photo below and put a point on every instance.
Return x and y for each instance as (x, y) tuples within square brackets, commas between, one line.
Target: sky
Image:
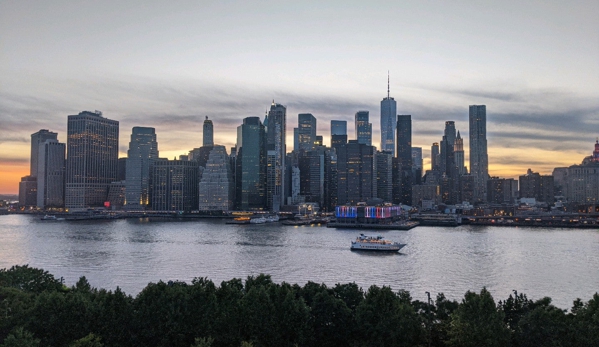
[(534, 64)]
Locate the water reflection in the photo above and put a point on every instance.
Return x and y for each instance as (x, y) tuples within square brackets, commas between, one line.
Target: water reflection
[(130, 253)]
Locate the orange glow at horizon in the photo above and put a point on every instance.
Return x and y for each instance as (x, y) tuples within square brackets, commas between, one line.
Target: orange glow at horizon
[(503, 162)]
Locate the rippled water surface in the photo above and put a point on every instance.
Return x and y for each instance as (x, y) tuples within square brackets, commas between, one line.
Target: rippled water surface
[(560, 263)]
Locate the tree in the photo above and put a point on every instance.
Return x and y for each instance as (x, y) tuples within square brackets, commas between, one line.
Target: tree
[(20, 337), (386, 320), (90, 340), (332, 321), (478, 322), (203, 342), (583, 323), (29, 279)]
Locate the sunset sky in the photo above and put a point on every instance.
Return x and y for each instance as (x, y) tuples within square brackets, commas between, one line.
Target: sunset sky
[(535, 64)]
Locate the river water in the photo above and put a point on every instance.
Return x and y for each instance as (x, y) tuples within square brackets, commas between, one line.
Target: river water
[(560, 263)]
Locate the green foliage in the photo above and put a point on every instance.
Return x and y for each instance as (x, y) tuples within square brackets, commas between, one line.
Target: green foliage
[(28, 279), (478, 322), (20, 337), (90, 340), (35, 310), (203, 342), (386, 319)]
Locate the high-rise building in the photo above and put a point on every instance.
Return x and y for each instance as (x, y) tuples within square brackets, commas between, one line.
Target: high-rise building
[(174, 185), (537, 186), (250, 171), (37, 139), (217, 189), (92, 159), (276, 150), (338, 127), (122, 169), (404, 156), (417, 161), (388, 122), (306, 131), (435, 156), (208, 133), (446, 148), (479, 160), (28, 191), (450, 131), (384, 176), (363, 128), (28, 184), (502, 190), (580, 183), (50, 174), (312, 175), (330, 188), (458, 149), (417, 165), (143, 150), (356, 173), (338, 133)]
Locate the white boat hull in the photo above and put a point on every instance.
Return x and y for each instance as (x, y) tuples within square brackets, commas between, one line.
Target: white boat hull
[(356, 246)]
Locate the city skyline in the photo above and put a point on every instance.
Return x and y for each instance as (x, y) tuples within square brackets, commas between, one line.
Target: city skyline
[(532, 64)]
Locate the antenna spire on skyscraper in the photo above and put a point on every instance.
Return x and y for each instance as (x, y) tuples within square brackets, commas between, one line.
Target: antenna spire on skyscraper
[(388, 84)]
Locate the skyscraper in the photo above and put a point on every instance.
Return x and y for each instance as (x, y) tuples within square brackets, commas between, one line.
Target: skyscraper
[(363, 128), (404, 157), (216, 187), (28, 184), (174, 185), (50, 174), (312, 175), (458, 149), (435, 156), (384, 176), (356, 173), (250, 168), (449, 135), (417, 164), (388, 122), (92, 159), (306, 131), (36, 140), (338, 133), (338, 127), (208, 133), (479, 160), (143, 149), (275, 152)]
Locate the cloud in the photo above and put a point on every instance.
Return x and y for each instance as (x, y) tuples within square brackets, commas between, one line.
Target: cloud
[(549, 119)]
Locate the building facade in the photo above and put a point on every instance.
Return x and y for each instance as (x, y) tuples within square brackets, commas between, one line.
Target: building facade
[(50, 174), (174, 185), (208, 133), (384, 176), (92, 159), (38, 139), (217, 189), (363, 128), (306, 132), (250, 171), (356, 173), (404, 156), (143, 150), (479, 160), (276, 125), (458, 150)]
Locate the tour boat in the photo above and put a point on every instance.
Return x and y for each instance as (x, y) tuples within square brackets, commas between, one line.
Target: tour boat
[(375, 243)]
